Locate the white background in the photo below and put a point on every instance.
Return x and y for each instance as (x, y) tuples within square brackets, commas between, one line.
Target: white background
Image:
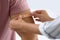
[(51, 6)]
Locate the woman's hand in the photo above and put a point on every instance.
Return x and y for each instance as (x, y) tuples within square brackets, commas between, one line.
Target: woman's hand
[(42, 15)]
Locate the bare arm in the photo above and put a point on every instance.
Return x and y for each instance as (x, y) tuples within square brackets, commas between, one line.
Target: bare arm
[(29, 19), (19, 7), (33, 28), (28, 27)]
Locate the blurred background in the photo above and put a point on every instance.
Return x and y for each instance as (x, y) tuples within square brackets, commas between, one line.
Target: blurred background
[(51, 6)]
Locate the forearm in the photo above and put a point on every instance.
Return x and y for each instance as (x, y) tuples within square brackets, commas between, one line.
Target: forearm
[(26, 35), (32, 28), (26, 16)]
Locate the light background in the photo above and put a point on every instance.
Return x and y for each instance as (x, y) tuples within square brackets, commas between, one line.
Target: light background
[(51, 6)]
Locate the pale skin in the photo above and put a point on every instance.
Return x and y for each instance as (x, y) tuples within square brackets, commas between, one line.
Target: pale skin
[(22, 26), (25, 35)]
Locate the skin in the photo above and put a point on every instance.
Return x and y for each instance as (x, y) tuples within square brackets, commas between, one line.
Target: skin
[(42, 15), (28, 19), (22, 26)]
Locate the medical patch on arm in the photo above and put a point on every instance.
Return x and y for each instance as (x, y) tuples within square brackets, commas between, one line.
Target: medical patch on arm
[(27, 16)]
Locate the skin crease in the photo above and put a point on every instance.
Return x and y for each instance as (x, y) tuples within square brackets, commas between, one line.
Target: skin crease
[(23, 27)]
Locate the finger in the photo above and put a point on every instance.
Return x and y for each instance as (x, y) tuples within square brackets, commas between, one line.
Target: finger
[(38, 11), (37, 15)]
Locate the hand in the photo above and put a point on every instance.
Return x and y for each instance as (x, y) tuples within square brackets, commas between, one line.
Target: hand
[(42, 15), (22, 26), (17, 23)]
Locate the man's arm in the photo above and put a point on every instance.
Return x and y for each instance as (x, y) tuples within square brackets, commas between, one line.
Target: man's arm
[(51, 29)]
